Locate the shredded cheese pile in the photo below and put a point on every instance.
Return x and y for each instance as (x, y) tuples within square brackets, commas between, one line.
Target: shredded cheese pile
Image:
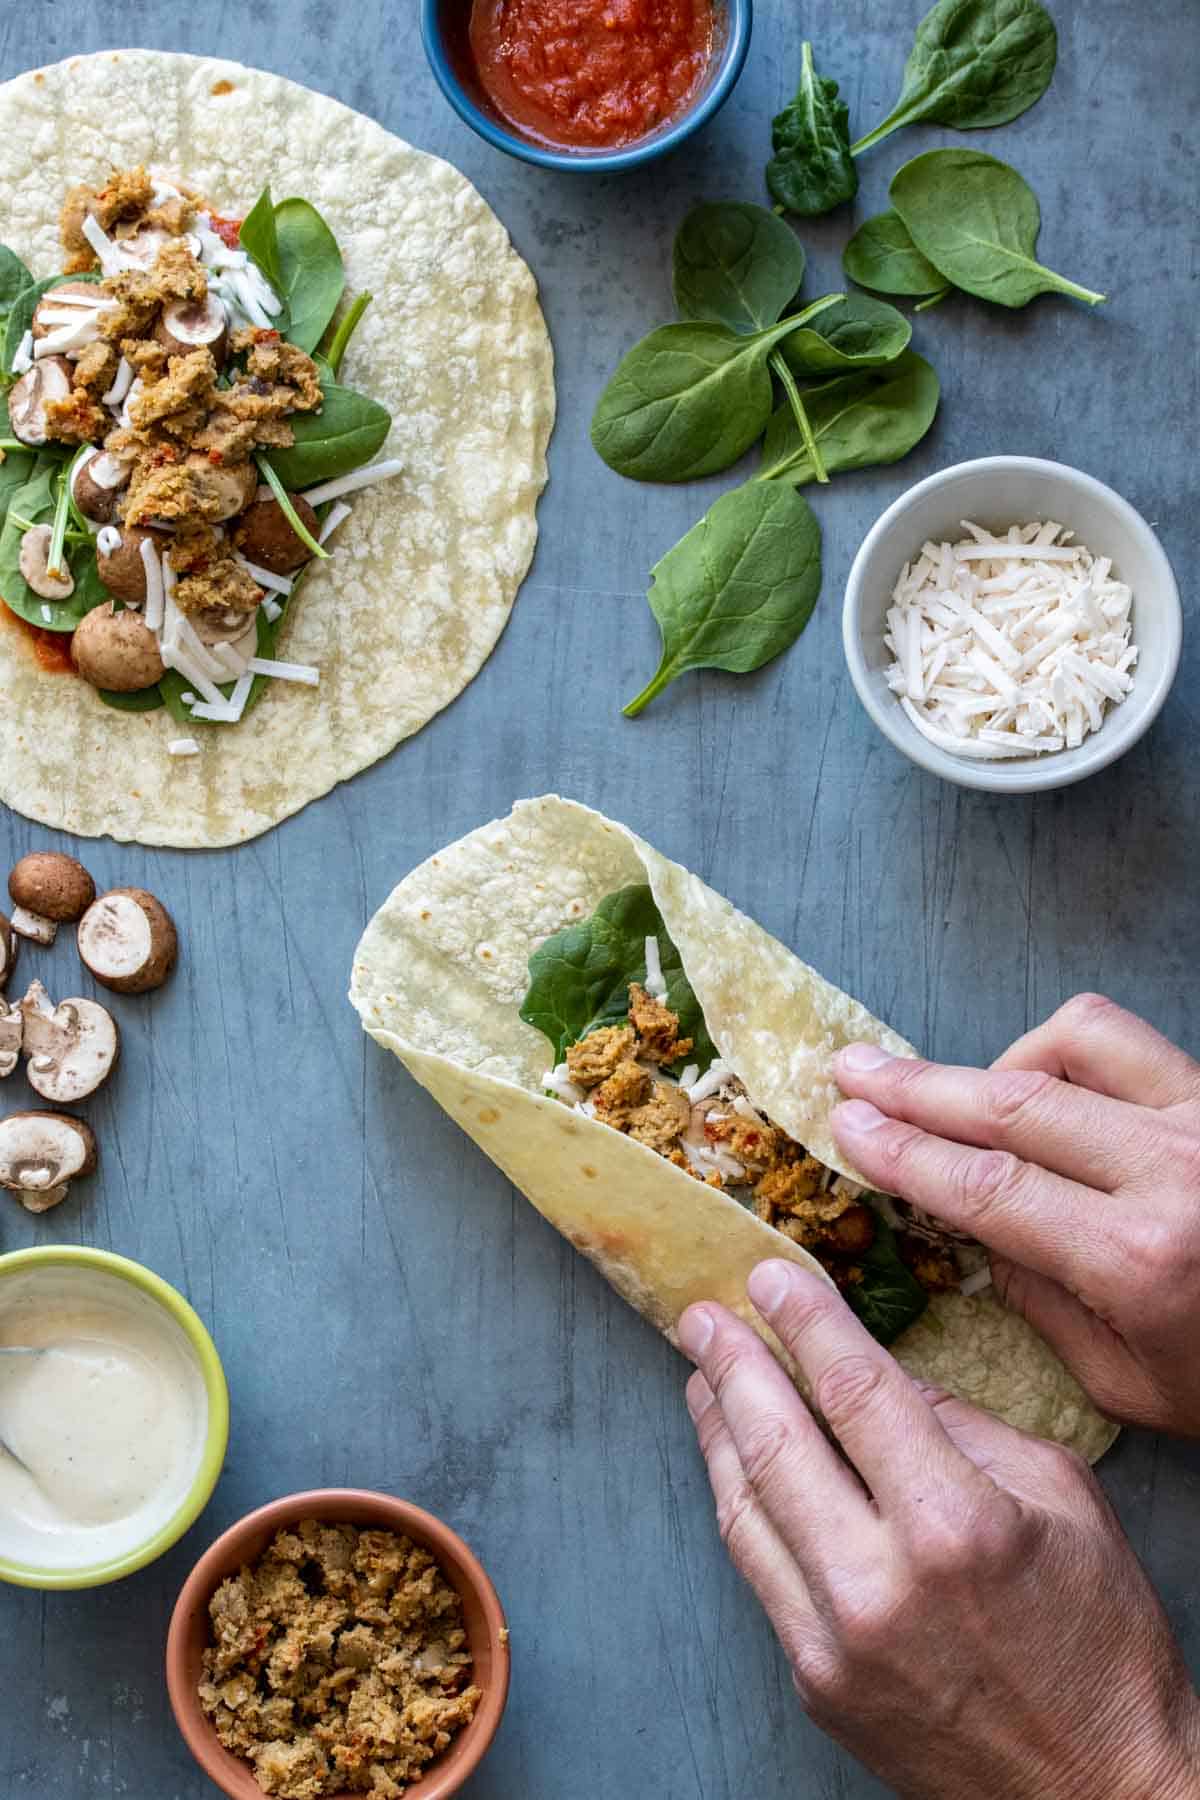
[(1009, 646)]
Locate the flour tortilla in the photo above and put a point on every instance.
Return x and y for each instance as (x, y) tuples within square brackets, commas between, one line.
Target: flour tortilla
[(426, 568), (439, 977)]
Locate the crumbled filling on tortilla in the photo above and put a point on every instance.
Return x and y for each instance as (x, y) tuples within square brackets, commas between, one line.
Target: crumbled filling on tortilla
[(621, 1074), (177, 409), (338, 1663)]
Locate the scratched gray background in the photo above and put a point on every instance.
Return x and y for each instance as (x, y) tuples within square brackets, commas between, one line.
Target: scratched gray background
[(390, 1314)]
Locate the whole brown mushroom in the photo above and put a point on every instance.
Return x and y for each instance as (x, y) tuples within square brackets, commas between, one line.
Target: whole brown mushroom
[(264, 535), (116, 650), (122, 570), (52, 884)]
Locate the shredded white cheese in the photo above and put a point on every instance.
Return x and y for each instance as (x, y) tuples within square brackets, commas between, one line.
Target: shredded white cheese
[(332, 520), (182, 747), (348, 484), (1009, 646), (264, 577), (285, 671), (710, 1083), (23, 360), (656, 987), (155, 591), (122, 382), (559, 1082), (272, 609), (975, 1284)]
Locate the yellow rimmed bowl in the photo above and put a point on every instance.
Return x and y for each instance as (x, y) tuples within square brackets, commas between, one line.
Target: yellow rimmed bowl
[(65, 1257)]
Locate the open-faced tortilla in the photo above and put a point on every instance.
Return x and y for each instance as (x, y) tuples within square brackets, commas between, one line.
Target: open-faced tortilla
[(427, 567), (439, 977)]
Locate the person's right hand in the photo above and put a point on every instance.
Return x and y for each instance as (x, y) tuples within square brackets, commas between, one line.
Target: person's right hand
[(1076, 1160)]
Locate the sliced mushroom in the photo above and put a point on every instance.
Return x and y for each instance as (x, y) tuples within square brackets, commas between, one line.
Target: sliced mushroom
[(231, 485), (121, 569), (51, 887), (143, 243), (193, 324), (71, 1047), (41, 1153), (12, 1029), (32, 926), (264, 535), (33, 560), (52, 302), (128, 940), (116, 650), (48, 380), (8, 949), (97, 485)]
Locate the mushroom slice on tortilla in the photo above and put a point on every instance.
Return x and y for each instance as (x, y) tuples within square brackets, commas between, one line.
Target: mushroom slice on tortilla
[(41, 1153), (128, 940), (71, 1047)]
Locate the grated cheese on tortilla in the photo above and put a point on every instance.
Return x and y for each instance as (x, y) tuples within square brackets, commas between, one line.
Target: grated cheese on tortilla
[(1010, 646)]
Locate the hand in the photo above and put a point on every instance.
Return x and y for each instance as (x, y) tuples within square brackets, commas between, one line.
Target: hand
[(1076, 1161), (959, 1606)]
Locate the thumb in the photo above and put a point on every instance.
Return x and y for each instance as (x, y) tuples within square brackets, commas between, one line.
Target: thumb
[(1096, 1355)]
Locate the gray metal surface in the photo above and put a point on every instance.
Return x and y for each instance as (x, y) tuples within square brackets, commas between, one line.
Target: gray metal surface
[(390, 1314)]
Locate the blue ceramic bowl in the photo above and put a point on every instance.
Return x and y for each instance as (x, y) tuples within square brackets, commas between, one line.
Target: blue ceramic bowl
[(444, 31)]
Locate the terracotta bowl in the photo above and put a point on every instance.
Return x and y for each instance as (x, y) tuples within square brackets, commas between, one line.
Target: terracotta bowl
[(483, 1617)]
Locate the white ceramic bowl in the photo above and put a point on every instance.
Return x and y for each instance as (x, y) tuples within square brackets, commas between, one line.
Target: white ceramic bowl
[(996, 492)]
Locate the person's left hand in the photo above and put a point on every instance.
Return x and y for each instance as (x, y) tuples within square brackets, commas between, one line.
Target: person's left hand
[(958, 1603)]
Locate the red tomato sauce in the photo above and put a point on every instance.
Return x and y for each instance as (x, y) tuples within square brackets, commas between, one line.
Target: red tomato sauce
[(51, 648), (591, 74)]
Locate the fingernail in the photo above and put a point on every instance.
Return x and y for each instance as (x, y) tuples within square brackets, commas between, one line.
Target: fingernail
[(858, 1115), (862, 1058), (696, 1394), (695, 1331), (768, 1284)]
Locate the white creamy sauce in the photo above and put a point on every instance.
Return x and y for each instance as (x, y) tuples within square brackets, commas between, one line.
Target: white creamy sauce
[(109, 1422)]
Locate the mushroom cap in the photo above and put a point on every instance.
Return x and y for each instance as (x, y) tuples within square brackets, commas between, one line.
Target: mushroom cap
[(127, 939), (33, 561), (186, 325), (52, 295), (53, 884), (40, 1152), (50, 379), (8, 948), (116, 650), (232, 484), (72, 1047), (122, 570), (97, 499), (264, 536)]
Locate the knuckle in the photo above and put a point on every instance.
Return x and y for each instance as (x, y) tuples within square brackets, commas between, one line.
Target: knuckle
[(987, 1180), (847, 1386), (765, 1448), (823, 1680), (865, 1618), (983, 1536), (1009, 1095), (1083, 1012), (1154, 1254), (735, 1516)]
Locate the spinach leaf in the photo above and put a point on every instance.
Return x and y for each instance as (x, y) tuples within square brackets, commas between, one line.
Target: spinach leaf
[(18, 465), (140, 701), (889, 1298), (860, 420), (343, 435), (259, 239), (21, 316), (977, 221), (858, 333), (973, 63), (689, 399), (812, 170), (579, 978), (313, 278), (737, 265), (738, 589), (881, 255), (34, 501), (14, 277)]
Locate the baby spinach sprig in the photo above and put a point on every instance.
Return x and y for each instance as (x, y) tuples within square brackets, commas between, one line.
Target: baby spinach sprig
[(974, 63), (287, 509)]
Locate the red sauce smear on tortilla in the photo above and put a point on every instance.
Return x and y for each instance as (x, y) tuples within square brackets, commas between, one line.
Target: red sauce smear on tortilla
[(591, 74), (51, 648)]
